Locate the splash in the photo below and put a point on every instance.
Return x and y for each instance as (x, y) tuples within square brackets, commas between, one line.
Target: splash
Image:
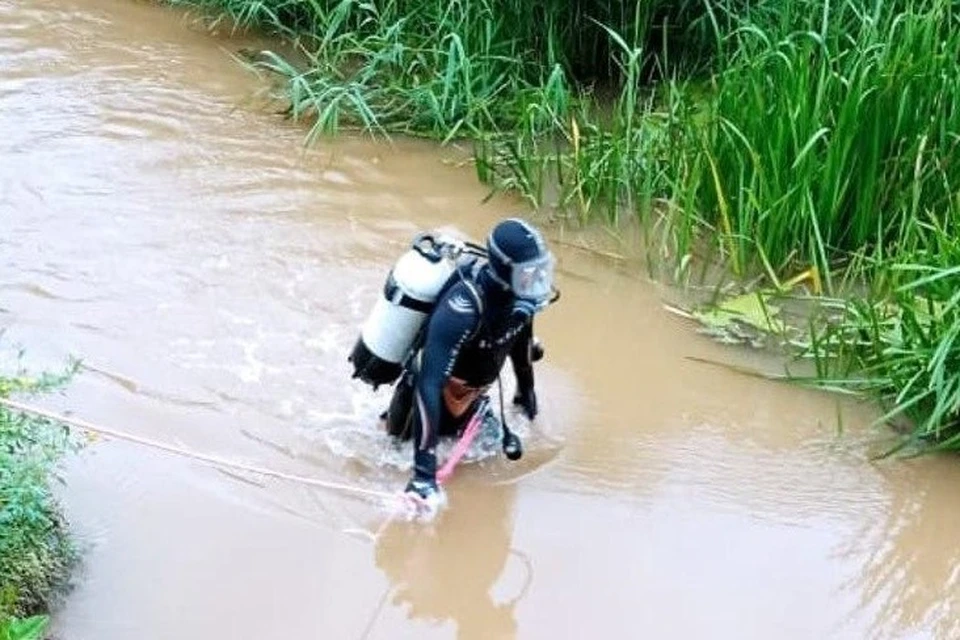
[(366, 443)]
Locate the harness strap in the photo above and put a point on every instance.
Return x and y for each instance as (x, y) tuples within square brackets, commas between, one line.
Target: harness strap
[(392, 292)]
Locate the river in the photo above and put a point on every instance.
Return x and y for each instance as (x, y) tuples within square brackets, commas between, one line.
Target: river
[(212, 274)]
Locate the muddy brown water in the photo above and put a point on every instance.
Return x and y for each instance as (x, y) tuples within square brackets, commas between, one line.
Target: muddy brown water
[(213, 275)]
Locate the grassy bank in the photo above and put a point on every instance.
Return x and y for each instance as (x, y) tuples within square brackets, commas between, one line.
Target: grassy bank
[(36, 553), (776, 138)]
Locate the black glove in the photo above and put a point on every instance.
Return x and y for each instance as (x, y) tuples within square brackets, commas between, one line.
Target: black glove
[(527, 399), (427, 497), (536, 350), (424, 489)]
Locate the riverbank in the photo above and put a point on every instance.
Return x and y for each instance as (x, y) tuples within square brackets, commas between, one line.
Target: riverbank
[(794, 138), (37, 551)]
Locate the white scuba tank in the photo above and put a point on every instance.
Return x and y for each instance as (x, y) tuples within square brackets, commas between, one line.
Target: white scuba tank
[(407, 300)]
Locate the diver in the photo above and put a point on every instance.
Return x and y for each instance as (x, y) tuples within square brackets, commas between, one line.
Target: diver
[(483, 316)]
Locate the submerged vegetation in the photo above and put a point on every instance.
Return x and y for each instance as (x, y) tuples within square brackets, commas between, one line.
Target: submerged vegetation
[(776, 137), (36, 552)]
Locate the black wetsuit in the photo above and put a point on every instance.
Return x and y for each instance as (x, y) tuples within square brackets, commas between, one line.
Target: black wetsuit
[(471, 333)]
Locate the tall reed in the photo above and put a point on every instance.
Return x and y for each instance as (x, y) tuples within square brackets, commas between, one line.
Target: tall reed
[(433, 67), (824, 141)]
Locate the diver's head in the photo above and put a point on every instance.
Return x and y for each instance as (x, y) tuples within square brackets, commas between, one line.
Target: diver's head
[(521, 263)]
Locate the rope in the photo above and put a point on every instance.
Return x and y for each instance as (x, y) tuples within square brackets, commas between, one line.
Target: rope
[(220, 462), (460, 449)]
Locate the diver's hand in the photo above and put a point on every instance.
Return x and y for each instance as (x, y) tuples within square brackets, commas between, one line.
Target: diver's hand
[(536, 350), (527, 400), (426, 495)]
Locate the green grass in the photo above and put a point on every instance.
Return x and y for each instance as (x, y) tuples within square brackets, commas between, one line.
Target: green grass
[(435, 68), (36, 552), (830, 140), (826, 140), (32, 628)]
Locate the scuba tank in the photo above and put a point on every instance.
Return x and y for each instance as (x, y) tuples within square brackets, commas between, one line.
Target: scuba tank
[(410, 292)]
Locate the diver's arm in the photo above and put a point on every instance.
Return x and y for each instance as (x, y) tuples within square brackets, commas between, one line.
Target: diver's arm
[(452, 323), (521, 356)]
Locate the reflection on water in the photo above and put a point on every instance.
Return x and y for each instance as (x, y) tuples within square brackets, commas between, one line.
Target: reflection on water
[(448, 572)]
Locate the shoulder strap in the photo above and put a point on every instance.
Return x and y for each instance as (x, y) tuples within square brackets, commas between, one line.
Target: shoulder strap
[(466, 274), (475, 294)]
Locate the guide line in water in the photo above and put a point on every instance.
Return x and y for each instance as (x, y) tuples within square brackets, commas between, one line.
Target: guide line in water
[(214, 460)]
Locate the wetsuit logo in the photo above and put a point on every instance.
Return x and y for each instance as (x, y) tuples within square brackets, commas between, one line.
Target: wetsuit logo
[(460, 304), (500, 341)]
